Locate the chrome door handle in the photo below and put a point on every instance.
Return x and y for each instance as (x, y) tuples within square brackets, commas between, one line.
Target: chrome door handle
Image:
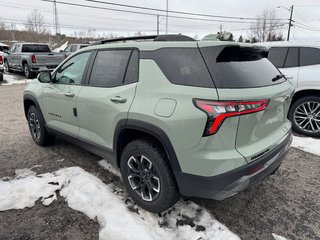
[(69, 94), (118, 99)]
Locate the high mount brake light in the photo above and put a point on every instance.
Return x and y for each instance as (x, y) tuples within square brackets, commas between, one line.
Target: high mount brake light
[(217, 112)]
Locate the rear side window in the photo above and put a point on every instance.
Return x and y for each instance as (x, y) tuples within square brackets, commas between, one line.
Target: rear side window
[(309, 56), (34, 48), (277, 56), (109, 68), (240, 67), (292, 59), (133, 68), (182, 66)]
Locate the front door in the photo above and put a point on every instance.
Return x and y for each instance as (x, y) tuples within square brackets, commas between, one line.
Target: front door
[(59, 97)]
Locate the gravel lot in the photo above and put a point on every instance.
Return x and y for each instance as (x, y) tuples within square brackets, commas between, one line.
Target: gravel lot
[(287, 203)]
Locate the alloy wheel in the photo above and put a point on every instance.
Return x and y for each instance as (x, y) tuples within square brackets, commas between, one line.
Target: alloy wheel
[(143, 177), (35, 126), (307, 116)]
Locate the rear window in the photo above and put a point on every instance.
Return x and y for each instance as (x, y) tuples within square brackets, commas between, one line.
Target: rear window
[(83, 46), (309, 56), (109, 68), (181, 66), (240, 67), (34, 48)]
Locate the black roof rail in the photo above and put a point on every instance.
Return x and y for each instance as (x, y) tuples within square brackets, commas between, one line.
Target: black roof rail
[(155, 38)]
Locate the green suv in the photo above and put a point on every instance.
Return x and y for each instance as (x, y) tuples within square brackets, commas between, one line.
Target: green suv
[(177, 116)]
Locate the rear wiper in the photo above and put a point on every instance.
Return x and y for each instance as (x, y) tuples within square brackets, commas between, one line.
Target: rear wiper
[(278, 77)]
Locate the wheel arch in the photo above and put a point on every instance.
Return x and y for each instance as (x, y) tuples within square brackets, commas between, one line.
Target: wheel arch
[(128, 130), (304, 93), (28, 101)]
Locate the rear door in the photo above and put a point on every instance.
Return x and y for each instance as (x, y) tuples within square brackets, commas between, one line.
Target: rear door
[(107, 97), (309, 68), (59, 98), (244, 74)]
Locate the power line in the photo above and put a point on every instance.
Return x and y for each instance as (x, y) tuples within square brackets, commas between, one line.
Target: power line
[(176, 12), (144, 13)]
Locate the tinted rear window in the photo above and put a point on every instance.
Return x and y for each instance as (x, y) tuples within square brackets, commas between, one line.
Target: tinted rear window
[(240, 67), (182, 66), (309, 56), (34, 48), (109, 68)]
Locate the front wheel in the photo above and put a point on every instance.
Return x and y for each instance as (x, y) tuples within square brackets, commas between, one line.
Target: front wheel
[(305, 116), (147, 176), (37, 128)]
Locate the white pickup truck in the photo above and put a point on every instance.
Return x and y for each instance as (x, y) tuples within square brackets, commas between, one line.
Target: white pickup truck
[(31, 58)]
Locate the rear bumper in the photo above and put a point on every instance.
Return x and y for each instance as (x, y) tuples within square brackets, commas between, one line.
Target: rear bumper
[(43, 68), (227, 184)]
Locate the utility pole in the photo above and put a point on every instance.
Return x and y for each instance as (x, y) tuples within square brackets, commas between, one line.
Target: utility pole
[(290, 23), (55, 17), (157, 24), (167, 16)]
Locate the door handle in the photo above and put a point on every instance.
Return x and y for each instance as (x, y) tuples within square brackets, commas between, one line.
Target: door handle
[(118, 99), (69, 94)]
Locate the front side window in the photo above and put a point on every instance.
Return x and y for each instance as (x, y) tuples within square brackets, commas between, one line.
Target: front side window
[(109, 68), (277, 56), (309, 56), (71, 72)]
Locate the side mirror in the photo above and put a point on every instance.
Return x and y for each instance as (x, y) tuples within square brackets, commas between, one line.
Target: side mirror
[(61, 51), (45, 77)]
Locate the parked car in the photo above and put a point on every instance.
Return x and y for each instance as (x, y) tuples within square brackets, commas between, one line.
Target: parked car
[(300, 62), (177, 116), (31, 58), (73, 48)]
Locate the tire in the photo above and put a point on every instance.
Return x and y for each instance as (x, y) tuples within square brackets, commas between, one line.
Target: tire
[(157, 176), (6, 67), (1, 77), (305, 116), (37, 128), (27, 72)]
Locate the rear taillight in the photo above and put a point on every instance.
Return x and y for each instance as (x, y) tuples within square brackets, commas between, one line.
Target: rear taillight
[(1, 59), (218, 111), (33, 58), (65, 56)]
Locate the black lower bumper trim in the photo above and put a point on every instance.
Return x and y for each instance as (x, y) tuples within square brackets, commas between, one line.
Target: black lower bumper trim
[(227, 184)]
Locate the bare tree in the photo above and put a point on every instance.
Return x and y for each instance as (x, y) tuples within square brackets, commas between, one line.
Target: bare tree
[(267, 27), (35, 22)]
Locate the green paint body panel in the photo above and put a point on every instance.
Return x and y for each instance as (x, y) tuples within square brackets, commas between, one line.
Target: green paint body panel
[(155, 100)]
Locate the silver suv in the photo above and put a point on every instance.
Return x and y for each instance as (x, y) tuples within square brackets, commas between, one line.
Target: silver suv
[(300, 62)]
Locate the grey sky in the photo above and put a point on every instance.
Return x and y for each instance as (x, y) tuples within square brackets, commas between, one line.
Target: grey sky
[(76, 18)]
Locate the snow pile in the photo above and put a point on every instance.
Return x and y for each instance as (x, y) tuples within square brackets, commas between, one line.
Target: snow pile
[(277, 237), (106, 165), (118, 216), (11, 81), (311, 145)]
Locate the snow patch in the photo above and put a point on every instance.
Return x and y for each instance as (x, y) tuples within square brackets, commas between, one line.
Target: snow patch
[(277, 237), (14, 82), (108, 166), (307, 144), (117, 214)]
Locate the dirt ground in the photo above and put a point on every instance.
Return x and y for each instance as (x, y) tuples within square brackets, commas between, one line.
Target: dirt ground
[(286, 203)]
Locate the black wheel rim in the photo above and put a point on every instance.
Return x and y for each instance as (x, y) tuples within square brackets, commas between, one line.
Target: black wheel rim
[(34, 126), (307, 116), (143, 177)]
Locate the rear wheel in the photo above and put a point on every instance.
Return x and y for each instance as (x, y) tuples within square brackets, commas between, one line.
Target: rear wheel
[(305, 116), (37, 128), (27, 72), (147, 176)]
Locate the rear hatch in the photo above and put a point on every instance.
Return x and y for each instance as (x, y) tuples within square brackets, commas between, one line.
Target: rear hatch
[(243, 74)]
